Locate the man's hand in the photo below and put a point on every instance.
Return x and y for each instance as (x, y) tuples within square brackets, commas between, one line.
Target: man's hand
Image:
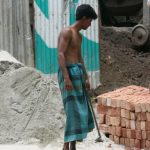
[(87, 84), (68, 84)]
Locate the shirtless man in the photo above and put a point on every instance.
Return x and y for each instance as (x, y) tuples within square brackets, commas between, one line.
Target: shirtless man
[(71, 67)]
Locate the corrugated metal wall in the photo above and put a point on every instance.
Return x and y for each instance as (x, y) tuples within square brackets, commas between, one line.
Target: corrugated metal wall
[(15, 31), (50, 18), (146, 13), (48, 24)]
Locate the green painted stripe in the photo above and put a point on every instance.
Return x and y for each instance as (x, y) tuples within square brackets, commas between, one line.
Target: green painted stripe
[(75, 1), (46, 58), (91, 54), (43, 5), (72, 8)]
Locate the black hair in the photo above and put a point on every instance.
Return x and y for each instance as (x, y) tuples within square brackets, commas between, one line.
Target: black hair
[(85, 10)]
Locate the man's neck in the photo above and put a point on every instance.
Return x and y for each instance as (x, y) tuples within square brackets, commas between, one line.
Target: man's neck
[(77, 26)]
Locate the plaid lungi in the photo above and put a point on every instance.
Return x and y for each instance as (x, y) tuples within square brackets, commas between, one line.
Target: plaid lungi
[(79, 120)]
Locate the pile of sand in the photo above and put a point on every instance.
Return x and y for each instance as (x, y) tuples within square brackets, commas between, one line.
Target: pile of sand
[(30, 104), (31, 111)]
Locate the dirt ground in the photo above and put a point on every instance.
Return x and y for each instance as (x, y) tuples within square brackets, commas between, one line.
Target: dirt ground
[(121, 64)]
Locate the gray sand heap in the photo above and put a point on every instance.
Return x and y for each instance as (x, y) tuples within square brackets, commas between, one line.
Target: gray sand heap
[(31, 110), (30, 105)]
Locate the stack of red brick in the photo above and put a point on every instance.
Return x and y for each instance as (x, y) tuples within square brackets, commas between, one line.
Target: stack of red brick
[(125, 116)]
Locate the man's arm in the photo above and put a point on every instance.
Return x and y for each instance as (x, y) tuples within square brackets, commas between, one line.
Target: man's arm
[(86, 74), (63, 43)]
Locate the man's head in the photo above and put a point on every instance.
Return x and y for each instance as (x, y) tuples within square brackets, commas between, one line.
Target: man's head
[(86, 14)]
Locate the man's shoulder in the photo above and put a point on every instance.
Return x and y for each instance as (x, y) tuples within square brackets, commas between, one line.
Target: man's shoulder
[(67, 31)]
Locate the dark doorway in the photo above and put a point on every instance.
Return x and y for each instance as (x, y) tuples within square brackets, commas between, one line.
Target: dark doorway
[(121, 13)]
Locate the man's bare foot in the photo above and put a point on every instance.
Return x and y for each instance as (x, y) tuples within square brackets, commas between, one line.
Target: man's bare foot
[(66, 146), (80, 140), (73, 145)]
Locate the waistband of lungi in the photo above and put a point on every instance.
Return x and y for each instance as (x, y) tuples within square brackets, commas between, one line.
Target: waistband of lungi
[(73, 65)]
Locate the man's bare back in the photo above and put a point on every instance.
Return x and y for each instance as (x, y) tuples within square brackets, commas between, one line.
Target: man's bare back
[(73, 49)]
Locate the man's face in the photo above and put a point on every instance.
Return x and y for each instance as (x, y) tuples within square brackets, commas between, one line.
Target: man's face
[(86, 23)]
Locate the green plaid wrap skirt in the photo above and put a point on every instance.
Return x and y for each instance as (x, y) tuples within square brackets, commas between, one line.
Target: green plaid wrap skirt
[(79, 120)]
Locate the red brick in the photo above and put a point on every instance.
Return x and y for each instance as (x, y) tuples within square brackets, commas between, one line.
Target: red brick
[(124, 132), (132, 116), (148, 125), (143, 125), (102, 109), (138, 115), (148, 116), (127, 142), (137, 143), (130, 106), (144, 135), (141, 116), (114, 112), (131, 134), (147, 144), (132, 142), (137, 108), (104, 128), (143, 144), (122, 141), (128, 148), (125, 113), (103, 101), (116, 139), (138, 125), (107, 120), (113, 103), (138, 134), (101, 118), (118, 103), (123, 104), (118, 131), (99, 100), (108, 103), (112, 130), (127, 124), (148, 107), (132, 124), (123, 122), (148, 135), (115, 121), (143, 107)]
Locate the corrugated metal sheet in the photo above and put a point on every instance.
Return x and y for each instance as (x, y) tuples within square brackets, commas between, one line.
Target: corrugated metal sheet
[(48, 24), (49, 21), (146, 13), (15, 32)]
